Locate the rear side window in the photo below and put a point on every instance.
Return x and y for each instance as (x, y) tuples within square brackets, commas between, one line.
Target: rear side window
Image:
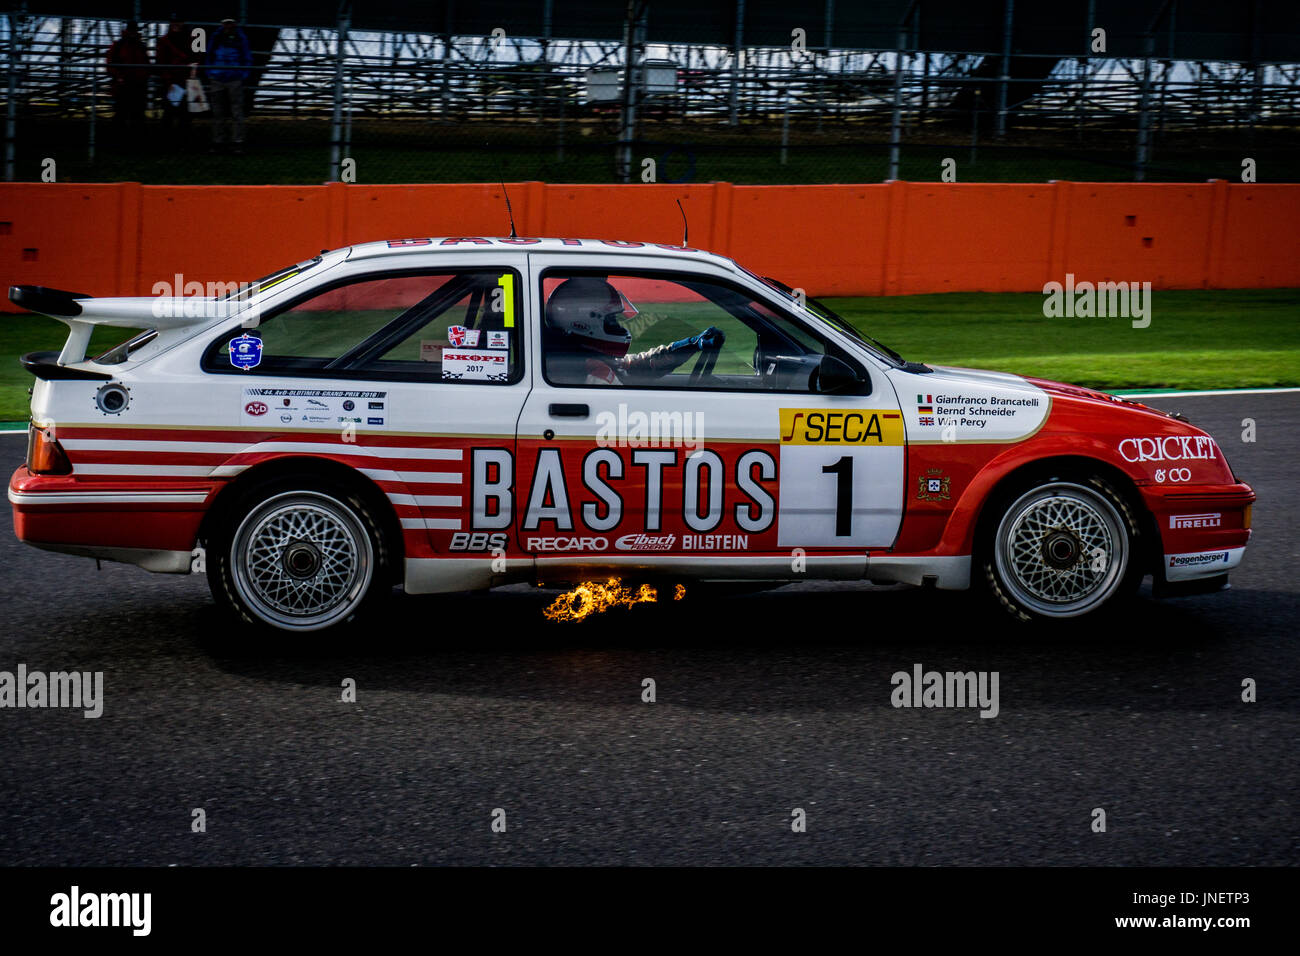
[(458, 327)]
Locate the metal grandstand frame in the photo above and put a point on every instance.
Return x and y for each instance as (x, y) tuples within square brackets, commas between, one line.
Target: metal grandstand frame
[(55, 68)]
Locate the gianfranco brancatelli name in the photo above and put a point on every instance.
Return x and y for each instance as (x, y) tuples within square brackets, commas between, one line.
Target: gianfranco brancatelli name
[(83, 690)]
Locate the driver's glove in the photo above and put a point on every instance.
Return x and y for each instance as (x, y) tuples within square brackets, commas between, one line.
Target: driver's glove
[(710, 338), (665, 358)]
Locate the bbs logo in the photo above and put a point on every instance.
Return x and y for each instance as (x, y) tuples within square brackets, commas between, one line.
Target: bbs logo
[(476, 541)]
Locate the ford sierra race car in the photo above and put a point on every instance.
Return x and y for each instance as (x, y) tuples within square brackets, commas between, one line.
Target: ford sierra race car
[(460, 413)]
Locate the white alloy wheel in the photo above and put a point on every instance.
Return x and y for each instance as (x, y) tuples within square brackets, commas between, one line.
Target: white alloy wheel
[(301, 561), (1061, 549)]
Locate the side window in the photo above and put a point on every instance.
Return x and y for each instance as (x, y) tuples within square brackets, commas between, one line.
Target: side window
[(448, 326), (652, 330)]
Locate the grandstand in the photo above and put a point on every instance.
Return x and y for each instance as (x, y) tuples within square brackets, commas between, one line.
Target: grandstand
[(1178, 90)]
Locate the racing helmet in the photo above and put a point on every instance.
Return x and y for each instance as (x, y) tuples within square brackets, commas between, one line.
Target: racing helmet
[(586, 310)]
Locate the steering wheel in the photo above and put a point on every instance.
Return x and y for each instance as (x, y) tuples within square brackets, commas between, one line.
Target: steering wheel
[(704, 365)]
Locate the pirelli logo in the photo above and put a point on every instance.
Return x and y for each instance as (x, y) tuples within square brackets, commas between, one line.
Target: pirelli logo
[(859, 426), (1196, 521)]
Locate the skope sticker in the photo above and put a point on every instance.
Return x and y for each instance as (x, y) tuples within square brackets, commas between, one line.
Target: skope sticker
[(475, 365)]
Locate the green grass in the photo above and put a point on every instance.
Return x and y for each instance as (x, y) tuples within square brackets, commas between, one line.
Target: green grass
[(1220, 339), (20, 334), (1247, 338), (271, 162)]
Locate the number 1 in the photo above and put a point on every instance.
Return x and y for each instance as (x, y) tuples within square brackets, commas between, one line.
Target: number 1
[(506, 282), (843, 471)]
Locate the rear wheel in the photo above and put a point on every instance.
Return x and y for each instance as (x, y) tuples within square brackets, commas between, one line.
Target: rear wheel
[(298, 557), (1063, 548)]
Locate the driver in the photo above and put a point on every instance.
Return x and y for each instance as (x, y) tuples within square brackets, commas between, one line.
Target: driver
[(585, 343)]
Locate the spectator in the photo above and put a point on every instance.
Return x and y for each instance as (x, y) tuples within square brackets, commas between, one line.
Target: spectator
[(176, 63), (128, 71), (229, 65)]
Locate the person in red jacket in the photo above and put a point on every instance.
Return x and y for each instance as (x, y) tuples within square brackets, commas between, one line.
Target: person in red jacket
[(128, 72), (176, 64)]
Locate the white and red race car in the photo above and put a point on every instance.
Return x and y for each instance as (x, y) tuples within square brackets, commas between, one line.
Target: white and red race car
[(458, 413)]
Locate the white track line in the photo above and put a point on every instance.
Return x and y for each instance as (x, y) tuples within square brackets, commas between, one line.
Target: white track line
[(1219, 391), (1189, 394)]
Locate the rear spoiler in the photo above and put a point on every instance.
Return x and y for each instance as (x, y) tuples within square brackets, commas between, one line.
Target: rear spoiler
[(81, 313)]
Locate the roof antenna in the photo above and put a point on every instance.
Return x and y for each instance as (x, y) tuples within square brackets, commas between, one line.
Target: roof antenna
[(686, 226), (509, 212)]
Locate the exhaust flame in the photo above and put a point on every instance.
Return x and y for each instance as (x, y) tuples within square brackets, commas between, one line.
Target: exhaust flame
[(680, 592), (592, 597)]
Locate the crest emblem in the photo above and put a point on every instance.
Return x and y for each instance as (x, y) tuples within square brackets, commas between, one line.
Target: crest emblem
[(933, 486)]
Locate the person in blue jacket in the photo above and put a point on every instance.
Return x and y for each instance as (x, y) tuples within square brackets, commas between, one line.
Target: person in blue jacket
[(228, 64)]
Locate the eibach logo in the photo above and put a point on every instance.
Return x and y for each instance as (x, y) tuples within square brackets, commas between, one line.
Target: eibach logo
[(256, 408)]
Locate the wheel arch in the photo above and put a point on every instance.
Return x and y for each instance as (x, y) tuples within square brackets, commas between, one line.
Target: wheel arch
[(318, 468), (1023, 474)]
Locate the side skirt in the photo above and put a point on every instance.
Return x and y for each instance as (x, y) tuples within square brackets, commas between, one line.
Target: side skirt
[(947, 573)]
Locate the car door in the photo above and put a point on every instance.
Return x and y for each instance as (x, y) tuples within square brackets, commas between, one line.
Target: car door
[(729, 465), (410, 369)]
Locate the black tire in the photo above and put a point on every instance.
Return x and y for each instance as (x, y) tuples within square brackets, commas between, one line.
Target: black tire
[(1061, 547), (298, 555)]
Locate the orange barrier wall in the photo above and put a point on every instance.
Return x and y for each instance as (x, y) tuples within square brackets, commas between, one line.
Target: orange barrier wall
[(879, 239)]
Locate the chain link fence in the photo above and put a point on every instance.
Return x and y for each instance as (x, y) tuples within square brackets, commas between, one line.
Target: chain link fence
[(372, 107)]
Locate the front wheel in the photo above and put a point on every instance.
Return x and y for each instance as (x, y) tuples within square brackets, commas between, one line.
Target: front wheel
[(298, 559), (1062, 549)]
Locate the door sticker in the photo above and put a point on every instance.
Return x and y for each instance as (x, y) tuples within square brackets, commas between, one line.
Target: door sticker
[(462, 337), (475, 365), (312, 407), (841, 477)]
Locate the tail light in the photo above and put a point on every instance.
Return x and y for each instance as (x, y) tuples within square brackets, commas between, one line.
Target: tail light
[(45, 456)]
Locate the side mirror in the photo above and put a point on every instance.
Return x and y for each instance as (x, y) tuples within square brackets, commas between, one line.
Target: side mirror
[(837, 377)]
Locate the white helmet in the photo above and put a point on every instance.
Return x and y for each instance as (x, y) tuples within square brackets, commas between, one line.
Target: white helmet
[(588, 309)]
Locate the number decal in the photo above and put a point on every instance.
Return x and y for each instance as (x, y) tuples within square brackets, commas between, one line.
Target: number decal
[(843, 472), (841, 476), (507, 284)]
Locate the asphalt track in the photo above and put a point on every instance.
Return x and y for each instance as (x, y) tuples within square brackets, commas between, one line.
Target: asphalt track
[(764, 704)]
